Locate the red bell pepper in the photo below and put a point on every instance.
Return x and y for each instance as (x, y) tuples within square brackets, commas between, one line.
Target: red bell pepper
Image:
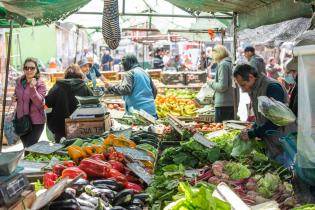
[(117, 165), (135, 187), (131, 178), (73, 172), (58, 168), (98, 157), (95, 168), (117, 176), (69, 163), (49, 179)]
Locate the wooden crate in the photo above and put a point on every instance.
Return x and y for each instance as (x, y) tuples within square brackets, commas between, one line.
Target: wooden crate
[(155, 73), (28, 197), (87, 127), (110, 75)]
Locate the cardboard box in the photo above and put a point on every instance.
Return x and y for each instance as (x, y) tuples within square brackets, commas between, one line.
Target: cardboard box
[(87, 127)]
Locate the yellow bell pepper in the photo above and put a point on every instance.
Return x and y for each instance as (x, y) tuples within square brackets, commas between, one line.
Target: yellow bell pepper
[(76, 153)]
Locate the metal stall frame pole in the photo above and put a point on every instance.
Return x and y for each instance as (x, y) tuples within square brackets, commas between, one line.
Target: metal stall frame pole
[(4, 101), (235, 89), (76, 45)]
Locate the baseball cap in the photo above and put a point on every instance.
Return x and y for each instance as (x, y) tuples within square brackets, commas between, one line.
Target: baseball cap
[(83, 62)]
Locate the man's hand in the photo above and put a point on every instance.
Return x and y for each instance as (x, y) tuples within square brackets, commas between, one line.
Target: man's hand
[(244, 135), (106, 84)]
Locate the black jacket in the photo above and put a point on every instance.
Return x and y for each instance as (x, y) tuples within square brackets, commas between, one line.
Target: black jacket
[(61, 98), (294, 98)]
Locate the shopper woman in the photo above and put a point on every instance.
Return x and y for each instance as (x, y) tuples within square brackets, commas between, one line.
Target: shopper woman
[(61, 98), (30, 93), (222, 84), (136, 87)]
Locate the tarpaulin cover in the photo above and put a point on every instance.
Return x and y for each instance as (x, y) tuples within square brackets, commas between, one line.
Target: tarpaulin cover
[(37, 12), (274, 35), (252, 13)]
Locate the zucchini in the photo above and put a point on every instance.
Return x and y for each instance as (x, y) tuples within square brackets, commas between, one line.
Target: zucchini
[(145, 141), (125, 197)]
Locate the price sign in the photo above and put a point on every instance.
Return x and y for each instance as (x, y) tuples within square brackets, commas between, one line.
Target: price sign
[(44, 147), (140, 172), (135, 154), (202, 140), (147, 116)]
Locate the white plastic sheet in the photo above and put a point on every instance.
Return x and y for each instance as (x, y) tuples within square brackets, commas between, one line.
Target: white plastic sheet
[(306, 110)]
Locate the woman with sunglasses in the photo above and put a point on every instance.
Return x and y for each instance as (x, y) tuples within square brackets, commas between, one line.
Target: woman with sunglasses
[(30, 94)]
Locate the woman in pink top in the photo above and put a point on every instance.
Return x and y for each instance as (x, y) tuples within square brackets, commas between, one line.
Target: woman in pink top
[(30, 93)]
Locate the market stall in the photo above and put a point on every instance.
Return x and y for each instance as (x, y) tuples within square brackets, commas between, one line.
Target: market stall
[(133, 161)]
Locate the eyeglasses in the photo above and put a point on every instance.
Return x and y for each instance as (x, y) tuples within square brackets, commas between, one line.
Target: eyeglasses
[(29, 68)]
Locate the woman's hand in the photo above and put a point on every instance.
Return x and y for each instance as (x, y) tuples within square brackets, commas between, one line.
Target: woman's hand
[(33, 82), (244, 135)]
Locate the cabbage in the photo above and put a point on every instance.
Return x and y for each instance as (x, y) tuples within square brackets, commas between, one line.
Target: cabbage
[(237, 171), (268, 185)]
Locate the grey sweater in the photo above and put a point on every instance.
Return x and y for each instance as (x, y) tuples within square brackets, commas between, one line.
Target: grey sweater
[(222, 85)]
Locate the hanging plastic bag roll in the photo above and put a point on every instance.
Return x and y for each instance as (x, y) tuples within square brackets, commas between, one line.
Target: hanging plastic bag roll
[(110, 23), (275, 111)]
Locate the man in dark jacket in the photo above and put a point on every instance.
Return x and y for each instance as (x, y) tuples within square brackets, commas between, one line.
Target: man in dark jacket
[(291, 78), (256, 84), (61, 98), (255, 60)]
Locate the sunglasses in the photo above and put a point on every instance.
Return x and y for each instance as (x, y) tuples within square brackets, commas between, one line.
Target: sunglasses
[(29, 68)]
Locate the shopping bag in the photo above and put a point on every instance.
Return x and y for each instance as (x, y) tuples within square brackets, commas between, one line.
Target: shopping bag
[(289, 146), (205, 95), (275, 111), (8, 128)]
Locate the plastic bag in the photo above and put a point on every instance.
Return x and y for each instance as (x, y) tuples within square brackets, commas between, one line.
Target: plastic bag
[(289, 146), (275, 111), (205, 94), (9, 128)]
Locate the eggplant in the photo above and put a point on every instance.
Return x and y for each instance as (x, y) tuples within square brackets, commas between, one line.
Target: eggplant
[(71, 191), (89, 198), (133, 207), (117, 208), (86, 208), (138, 202), (125, 197), (68, 204), (85, 203), (93, 191), (111, 184), (142, 196), (65, 196)]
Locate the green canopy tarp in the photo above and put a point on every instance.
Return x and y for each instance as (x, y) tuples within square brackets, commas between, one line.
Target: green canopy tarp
[(252, 13), (37, 12)]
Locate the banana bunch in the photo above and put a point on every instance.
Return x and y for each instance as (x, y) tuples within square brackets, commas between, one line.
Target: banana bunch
[(175, 106)]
